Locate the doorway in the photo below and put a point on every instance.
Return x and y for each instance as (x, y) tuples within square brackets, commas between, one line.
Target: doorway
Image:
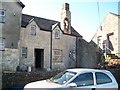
[(39, 58)]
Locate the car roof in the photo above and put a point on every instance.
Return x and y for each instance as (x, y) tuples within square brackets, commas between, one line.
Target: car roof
[(83, 70)]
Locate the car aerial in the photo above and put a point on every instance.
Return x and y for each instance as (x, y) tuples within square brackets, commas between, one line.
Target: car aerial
[(89, 79)]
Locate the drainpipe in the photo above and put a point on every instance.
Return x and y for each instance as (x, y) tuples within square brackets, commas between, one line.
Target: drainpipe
[(76, 51), (51, 51)]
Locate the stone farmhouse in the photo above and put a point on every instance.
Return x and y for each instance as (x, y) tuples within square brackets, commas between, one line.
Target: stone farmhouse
[(47, 43), (107, 37), (30, 43)]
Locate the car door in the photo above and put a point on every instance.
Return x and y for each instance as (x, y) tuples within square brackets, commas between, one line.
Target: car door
[(84, 81), (104, 82)]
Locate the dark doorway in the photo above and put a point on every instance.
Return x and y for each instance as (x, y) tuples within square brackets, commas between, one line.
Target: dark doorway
[(39, 58)]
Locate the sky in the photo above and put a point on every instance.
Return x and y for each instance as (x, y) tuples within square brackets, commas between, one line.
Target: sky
[(85, 15)]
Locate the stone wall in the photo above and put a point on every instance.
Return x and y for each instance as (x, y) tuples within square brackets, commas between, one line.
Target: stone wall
[(10, 59), (17, 80), (67, 44), (115, 72), (0, 70), (12, 25), (39, 41), (86, 54)]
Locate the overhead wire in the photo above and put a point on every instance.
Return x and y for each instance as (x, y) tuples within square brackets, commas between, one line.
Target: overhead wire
[(98, 10)]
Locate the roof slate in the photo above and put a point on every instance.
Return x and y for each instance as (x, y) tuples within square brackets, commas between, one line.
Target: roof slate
[(44, 24)]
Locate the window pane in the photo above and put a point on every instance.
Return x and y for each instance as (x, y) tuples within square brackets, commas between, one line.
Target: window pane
[(57, 55), (2, 44), (63, 77), (84, 79), (2, 13), (102, 78), (24, 52), (2, 19), (33, 30), (1, 41), (2, 16), (57, 34)]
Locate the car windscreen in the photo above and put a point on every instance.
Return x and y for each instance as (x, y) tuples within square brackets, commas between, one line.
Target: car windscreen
[(63, 77)]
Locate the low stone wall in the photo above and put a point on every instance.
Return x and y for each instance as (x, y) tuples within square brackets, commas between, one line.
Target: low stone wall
[(19, 79), (116, 73), (10, 59)]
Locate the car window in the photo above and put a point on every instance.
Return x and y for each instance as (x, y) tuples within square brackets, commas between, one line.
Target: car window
[(85, 79), (102, 78), (63, 77)]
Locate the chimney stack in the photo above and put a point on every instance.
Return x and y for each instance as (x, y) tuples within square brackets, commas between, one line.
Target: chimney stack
[(66, 18)]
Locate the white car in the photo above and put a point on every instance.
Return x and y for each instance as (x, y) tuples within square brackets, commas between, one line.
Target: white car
[(84, 79)]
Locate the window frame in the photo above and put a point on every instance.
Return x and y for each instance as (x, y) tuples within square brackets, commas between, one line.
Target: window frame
[(57, 34), (99, 41), (2, 16), (83, 74), (60, 55), (33, 30), (24, 53), (103, 82), (2, 44)]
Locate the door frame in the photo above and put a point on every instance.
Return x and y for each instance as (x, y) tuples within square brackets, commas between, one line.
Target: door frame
[(41, 57)]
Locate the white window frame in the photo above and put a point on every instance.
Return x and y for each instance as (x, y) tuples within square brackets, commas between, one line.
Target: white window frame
[(24, 52), (2, 16), (33, 30), (57, 34), (2, 44), (58, 55), (99, 41)]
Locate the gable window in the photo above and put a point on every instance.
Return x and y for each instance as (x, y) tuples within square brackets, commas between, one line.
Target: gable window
[(2, 16), (2, 44), (57, 34), (33, 30), (57, 55), (24, 52)]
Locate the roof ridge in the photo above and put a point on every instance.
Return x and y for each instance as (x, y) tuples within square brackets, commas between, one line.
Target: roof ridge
[(44, 23), (114, 14), (40, 17)]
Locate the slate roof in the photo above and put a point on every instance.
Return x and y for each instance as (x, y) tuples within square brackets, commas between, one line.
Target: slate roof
[(44, 24)]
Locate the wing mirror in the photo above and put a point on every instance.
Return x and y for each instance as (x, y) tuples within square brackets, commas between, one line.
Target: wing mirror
[(72, 85)]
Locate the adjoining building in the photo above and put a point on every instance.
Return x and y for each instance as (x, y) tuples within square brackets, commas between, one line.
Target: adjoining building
[(10, 25), (107, 37)]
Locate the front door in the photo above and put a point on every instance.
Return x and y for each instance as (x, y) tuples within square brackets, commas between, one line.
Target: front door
[(39, 58), (85, 81)]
